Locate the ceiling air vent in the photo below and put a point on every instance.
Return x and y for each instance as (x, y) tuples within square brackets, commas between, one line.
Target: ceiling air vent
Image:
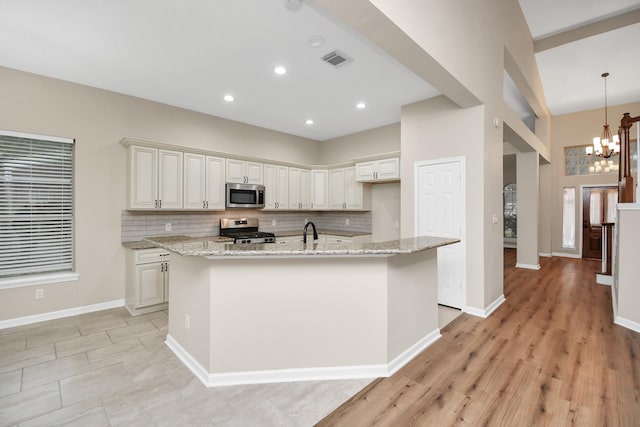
[(336, 58)]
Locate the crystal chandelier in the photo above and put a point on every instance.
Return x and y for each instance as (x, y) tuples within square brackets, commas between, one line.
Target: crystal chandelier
[(605, 146)]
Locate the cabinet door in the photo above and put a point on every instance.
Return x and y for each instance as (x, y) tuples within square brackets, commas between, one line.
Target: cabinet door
[(388, 169), (254, 173), (282, 187), (336, 189), (353, 190), (305, 189), (194, 181), (170, 179), (270, 186), (294, 188), (235, 171), (365, 171), (319, 190), (143, 182), (214, 194), (150, 281)]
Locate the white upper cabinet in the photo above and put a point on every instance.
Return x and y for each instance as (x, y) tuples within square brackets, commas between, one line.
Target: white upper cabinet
[(203, 182), (244, 172), (299, 188), (155, 178), (336, 189), (378, 170), (345, 193), (276, 182), (319, 189), (215, 183)]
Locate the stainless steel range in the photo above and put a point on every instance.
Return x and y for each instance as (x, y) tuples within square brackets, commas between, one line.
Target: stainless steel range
[(244, 230)]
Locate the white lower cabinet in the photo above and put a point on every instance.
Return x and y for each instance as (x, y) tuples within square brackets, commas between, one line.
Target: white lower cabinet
[(147, 280)]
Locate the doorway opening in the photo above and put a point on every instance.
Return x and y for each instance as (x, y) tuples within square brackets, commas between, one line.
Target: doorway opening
[(598, 207)]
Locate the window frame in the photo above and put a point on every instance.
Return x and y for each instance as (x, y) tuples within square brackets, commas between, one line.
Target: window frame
[(40, 278)]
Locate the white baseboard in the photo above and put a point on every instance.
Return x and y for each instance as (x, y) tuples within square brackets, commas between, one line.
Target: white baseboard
[(614, 302), (510, 246), (566, 255), (545, 255), (407, 355), (604, 279), (528, 266), (629, 324), (484, 313), (26, 320), (303, 374)]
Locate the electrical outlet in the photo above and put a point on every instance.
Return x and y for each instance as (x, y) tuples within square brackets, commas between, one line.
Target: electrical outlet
[(396, 224), (273, 222), (167, 226), (187, 322), (306, 220), (346, 221), (39, 293)]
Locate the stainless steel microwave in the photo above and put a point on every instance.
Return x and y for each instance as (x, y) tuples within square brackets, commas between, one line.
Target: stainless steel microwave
[(245, 196)]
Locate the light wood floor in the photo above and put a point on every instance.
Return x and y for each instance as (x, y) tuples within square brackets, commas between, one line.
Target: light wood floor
[(550, 355)]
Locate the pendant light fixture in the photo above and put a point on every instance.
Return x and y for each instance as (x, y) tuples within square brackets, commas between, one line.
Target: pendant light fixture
[(605, 146)]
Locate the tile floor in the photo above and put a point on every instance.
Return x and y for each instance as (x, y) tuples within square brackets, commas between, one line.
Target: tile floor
[(109, 369)]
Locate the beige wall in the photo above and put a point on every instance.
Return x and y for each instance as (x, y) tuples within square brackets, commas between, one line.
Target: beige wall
[(98, 120), (424, 124), (385, 198), (508, 169), (469, 41), (628, 268), (578, 129), (384, 139)]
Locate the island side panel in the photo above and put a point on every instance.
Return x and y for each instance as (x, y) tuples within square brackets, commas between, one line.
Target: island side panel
[(413, 299), (189, 295), (297, 313)]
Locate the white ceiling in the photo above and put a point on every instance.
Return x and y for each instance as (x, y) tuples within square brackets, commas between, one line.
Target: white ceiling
[(190, 54), (571, 72)]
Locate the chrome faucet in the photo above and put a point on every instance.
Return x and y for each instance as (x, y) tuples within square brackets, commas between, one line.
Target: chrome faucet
[(304, 232)]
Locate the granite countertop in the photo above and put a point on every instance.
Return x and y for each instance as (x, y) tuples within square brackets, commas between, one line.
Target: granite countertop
[(209, 247), (322, 231), (155, 242)]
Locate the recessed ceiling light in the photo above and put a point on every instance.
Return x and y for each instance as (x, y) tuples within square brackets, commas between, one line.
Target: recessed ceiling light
[(229, 98), (309, 122), (361, 105), (279, 70), (315, 41)]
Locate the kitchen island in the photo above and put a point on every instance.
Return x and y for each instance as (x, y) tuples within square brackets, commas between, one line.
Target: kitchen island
[(269, 312)]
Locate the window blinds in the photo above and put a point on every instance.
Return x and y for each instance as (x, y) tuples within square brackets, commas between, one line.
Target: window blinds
[(36, 204)]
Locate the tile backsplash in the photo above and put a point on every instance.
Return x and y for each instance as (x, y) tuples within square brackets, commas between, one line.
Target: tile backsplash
[(137, 225)]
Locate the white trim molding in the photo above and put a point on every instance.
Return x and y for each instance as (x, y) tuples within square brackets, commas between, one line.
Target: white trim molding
[(484, 313), (604, 279), (545, 255), (40, 279), (302, 374), (528, 266), (26, 320), (629, 324), (566, 255)]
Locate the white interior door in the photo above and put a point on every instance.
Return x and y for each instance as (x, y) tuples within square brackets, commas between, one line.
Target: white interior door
[(440, 213)]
